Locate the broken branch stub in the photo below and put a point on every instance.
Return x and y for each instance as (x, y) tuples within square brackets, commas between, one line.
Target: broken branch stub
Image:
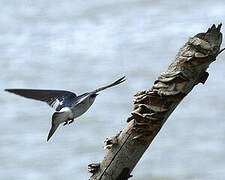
[(152, 107)]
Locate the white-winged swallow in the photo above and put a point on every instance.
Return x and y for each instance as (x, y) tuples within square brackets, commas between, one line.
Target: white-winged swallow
[(67, 104)]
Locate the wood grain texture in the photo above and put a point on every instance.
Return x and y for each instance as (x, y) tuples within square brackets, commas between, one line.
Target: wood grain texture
[(152, 107)]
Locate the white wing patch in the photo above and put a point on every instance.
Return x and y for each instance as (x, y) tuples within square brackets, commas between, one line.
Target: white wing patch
[(56, 103)]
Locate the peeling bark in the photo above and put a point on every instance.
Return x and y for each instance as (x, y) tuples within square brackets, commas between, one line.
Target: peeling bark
[(152, 107)]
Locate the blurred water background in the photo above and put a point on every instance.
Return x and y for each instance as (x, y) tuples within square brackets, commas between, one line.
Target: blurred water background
[(80, 45)]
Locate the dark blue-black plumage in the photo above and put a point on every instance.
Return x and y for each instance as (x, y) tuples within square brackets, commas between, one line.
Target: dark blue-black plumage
[(57, 99), (67, 104), (68, 100)]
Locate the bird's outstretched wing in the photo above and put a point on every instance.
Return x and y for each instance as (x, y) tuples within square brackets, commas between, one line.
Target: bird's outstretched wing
[(122, 79), (54, 98)]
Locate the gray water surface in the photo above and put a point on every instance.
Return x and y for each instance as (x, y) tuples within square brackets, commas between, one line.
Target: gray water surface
[(80, 45)]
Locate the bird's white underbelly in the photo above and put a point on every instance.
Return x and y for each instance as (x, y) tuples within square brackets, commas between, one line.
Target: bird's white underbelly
[(66, 114)]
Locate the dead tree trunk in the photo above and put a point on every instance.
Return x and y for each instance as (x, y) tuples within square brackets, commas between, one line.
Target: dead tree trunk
[(152, 107)]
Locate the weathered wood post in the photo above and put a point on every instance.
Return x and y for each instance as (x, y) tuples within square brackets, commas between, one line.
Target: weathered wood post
[(152, 107)]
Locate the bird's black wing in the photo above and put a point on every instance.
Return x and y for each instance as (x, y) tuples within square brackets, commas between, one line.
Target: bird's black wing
[(54, 98)]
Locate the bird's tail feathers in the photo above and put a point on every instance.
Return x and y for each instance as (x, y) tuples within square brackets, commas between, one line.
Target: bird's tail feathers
[(52, 130), (57, 119)]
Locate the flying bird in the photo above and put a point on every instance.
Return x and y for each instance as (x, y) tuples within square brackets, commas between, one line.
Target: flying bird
[(67, 104)]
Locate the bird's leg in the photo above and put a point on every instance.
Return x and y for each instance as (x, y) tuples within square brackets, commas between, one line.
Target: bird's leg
[(71, 120), (65, 123)]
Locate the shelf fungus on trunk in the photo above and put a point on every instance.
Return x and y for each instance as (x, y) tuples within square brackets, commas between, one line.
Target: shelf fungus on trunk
[(152, 107), (93, 167), (111, 142)]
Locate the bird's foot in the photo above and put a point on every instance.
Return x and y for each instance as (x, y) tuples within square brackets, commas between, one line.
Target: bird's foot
[(71, 121), (65, 123), (68, 122)]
